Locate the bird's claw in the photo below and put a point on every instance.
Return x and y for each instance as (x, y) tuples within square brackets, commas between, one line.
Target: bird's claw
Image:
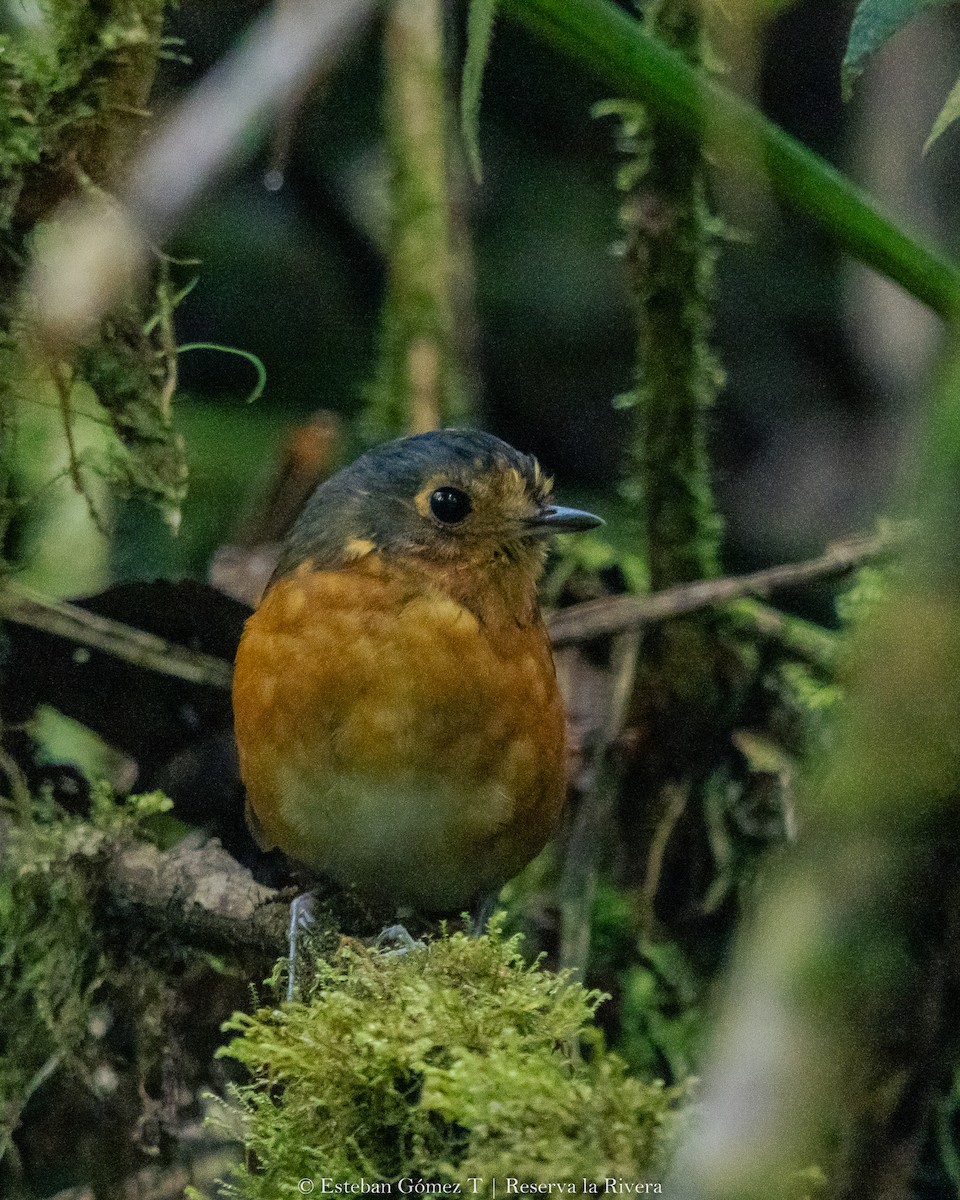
[(399, 934)]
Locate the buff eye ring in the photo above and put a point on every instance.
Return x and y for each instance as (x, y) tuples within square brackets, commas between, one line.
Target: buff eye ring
[(450, 505)]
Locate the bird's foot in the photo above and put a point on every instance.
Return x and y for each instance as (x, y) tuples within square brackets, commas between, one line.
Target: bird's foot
[(301, 918), (404, 941), (481, 913)]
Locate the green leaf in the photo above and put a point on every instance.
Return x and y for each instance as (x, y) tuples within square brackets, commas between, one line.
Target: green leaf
[(479, 35), (948, 114), (611, 45), (875, 22)]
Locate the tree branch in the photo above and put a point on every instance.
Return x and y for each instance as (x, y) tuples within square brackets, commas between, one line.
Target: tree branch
[(199, 893), (75, 624), (202, 892), (615, 614)]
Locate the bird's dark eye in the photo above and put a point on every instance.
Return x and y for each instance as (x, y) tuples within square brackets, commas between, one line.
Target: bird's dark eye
[(450, 505)]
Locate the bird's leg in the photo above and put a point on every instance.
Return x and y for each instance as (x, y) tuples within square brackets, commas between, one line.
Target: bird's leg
[(483, 909), (301, 917)]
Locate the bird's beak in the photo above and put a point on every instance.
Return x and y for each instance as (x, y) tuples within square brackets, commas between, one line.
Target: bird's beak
[(554, 519)]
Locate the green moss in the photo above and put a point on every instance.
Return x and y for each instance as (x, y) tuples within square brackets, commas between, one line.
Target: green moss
[(808, 707), (670, 247), (50, 960), (69, 92), (871, 585), (452, 1062)]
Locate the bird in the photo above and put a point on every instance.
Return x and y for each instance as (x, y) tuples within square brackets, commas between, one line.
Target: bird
[(396, 708)]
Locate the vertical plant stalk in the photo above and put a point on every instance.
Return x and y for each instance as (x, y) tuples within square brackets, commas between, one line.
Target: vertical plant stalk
[(420, 385), (591, 826), (670, 256)]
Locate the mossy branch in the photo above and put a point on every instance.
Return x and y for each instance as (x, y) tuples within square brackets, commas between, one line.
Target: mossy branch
[(199, 895)]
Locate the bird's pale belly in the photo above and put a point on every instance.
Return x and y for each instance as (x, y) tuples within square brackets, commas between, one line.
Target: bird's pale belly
[(388, 743)]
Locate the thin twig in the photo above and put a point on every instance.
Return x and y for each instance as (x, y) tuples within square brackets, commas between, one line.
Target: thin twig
[(616, 614), (167, 339), (134, 646)]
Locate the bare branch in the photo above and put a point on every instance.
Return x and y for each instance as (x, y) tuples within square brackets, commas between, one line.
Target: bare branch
[(616, 614), (135, 646), (202, 892)]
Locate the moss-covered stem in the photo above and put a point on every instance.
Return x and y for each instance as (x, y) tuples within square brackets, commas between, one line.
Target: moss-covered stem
[(632, 63), (420, 385), (670, 257), (76, 118)]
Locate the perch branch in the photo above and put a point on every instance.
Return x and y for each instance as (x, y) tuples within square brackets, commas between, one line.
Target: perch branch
[(203, 892)]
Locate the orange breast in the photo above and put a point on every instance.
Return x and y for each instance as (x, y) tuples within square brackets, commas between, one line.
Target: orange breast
[(391, 739)]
